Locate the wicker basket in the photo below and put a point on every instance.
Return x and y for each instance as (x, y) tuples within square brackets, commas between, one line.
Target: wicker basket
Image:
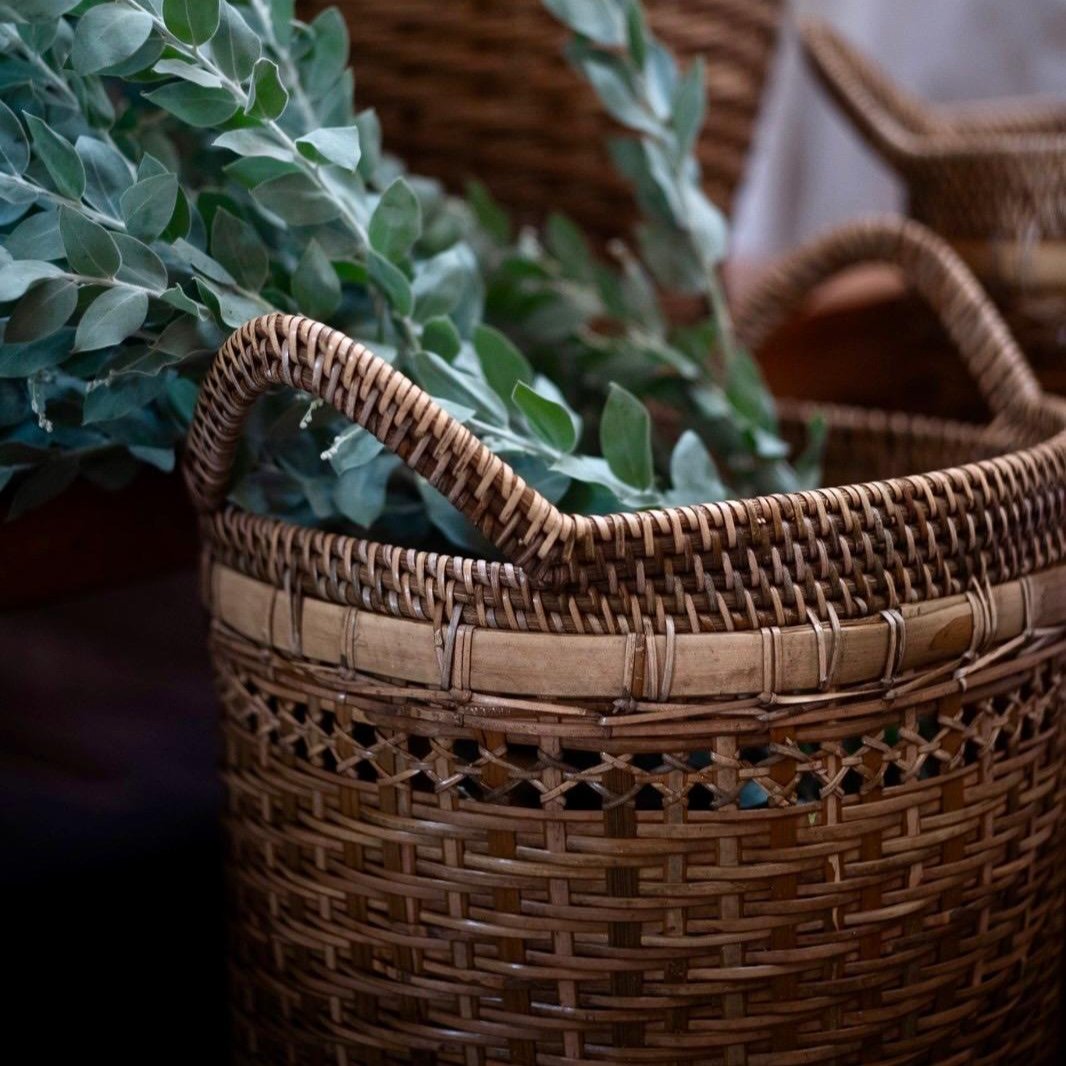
[(481, 87), (991, 179), (776, 780)]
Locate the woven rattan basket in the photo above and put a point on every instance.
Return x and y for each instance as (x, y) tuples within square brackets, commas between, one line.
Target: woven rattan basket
[(481, 87), (776, 780), (991, 179)]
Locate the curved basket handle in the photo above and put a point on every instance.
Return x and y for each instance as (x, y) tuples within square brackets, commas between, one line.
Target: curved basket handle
[(884, 114), (306, 355), (944, 281)]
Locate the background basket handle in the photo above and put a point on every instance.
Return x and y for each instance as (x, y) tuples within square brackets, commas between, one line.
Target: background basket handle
[(884, 114), (939, 275), (279, 349)]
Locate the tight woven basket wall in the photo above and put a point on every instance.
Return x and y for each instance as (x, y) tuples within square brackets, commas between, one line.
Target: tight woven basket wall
[(991, 179), (481, 87), (775, 780)]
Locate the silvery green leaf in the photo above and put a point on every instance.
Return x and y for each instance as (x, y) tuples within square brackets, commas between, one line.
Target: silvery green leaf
[(267, 97), (195, 105), (688, 107), (440, 335), (121, 397), (111, 318), (22, 360), (359, 493), (14, 147), (352, 448), (36, 11), (160, 458), (503, 365), (178, 68), (108, 34), (89, 247), (15, 191), (334, 144), (369, 126), (592, 470), (281, 18), (234, 308), (439, 282), (396, 222), (191, 21), (59, 157), (140, 61), (140, 265), (491, 216), (329, 54), (238, 247), (602, 21), (625, 437), (660, 79), (36, 236), (708, 226), (607, 75), (234, 47), (808, 464), (295, 198), (107, 174), (549, 420), (440, 378), (249, 141), (637, 33), (202, 262), (253, 171), (176, 297), (454, 525), (43, 484), (148, 206), (693, 475), (392, 282), (315, 284), (568, 244), (45, 308), (17, 276)]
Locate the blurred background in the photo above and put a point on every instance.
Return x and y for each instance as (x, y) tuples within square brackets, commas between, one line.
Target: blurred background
[(809, 170), (109, 814)]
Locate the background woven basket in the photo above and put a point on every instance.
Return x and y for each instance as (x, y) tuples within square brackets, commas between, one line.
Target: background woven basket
[(770, 780), (481, 88), (989, 178)]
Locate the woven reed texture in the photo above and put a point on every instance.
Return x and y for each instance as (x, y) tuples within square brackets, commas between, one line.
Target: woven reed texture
[(858, 857), (991, 179), (481, 88)]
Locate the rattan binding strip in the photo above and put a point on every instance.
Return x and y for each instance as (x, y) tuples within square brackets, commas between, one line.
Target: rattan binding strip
[(450, 654)]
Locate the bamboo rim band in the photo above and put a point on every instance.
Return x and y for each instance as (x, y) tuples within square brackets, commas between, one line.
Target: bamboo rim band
[(816, 657)]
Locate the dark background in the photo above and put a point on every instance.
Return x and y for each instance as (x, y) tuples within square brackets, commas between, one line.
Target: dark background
[(110, 854)]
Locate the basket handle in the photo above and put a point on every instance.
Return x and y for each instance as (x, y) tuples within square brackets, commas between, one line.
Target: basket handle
[(989, 351), (884, 114), (292, 350)]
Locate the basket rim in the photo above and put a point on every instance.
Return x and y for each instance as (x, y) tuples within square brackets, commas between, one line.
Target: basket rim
[(281, 541)]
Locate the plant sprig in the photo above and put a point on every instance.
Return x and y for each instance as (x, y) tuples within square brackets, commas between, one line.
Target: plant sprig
[(168, 170)]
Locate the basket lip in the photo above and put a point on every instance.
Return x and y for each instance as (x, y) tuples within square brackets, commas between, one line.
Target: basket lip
[(1043, 462)]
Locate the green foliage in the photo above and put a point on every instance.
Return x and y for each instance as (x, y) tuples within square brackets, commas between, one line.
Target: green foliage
[(170, 168)]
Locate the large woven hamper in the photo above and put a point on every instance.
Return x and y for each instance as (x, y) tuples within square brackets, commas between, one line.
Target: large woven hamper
[(778, 780), (482, 88), (990, 178)]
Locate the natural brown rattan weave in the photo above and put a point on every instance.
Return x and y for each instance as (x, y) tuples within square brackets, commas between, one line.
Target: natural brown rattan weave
[(778, 780), (992, 180), (481, 88)]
